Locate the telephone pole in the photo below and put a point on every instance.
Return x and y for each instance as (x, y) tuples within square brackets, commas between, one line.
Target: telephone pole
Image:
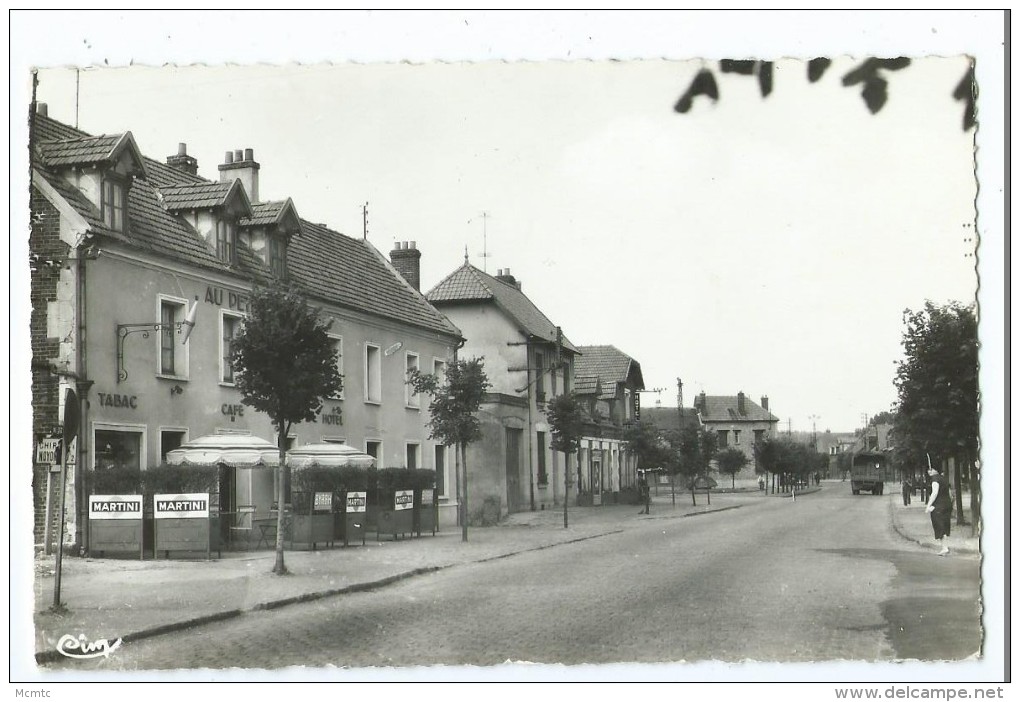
[(680, 418), (566, 456)]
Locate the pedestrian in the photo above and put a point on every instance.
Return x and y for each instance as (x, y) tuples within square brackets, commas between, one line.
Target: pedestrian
[(761, 482), (907, 489), (646, 496), (940, 507)]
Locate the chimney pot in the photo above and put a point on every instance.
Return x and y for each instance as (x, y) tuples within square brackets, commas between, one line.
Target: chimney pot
[(42, 108), (413, 245), (499, 272), (238, 155), (506, 271), (182, 149), (765, 402), (249, 154), (229, 157)]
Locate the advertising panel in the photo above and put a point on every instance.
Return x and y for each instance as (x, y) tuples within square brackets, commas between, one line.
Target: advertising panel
[(404, 499), (193, 505), (356, 501), (115, 506)]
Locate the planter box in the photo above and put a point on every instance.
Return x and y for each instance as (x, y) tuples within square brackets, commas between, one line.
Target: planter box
[(312, 529), (395, 522), (354, 526), (428, 519)]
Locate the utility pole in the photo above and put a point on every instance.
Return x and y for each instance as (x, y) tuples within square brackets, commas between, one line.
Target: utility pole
[(364, 220), (566, 456), (680, 412), (814, 431)]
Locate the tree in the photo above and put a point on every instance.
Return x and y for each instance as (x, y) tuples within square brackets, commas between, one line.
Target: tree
[(731, 461), (870, 74), (456, 399), (284, 364), (693, 449), (643, 441), (566, 420), (938, 394)]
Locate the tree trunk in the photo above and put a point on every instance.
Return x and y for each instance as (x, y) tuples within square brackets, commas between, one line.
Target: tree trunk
[(958, 485), (464, 502), (456, 477), (975, 497), (566, 486), (281, 474)]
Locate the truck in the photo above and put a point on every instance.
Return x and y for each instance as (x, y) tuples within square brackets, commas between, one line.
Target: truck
[(868, 472)]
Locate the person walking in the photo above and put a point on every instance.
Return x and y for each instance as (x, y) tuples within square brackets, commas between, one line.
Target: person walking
[(940, 507), (646, 496), (907, 489)]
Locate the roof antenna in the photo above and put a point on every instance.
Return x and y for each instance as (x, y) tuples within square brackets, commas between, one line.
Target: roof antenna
[(77, 82), (465, 254), (485, 245), (364, 220)]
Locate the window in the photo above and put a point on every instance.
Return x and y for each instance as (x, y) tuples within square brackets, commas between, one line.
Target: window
[(118, 446), (439, 370), (230, 325), (759, 435), (723, 436), (540, 376), (277, 257), (226, 241), (413, 456), (374, 449), (441, 470), (373, 373), (169, 439), (736, 437), (338, 345), (411, 398), (173, 354), (543, 477), (113, 204)]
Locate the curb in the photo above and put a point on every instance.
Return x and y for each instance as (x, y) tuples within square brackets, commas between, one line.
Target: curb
[(690, 514), (901, 531), (52, 656)]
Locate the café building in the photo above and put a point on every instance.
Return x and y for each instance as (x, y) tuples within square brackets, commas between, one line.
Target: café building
[(141, 275)]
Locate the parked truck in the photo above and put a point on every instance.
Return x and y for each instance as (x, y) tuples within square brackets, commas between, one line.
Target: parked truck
[(868, 472)]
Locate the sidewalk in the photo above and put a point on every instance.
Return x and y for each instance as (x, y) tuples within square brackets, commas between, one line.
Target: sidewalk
[(130, 599), (914, 524)]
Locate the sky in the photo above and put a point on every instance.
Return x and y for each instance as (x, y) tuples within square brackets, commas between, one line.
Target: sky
[(768, 246)]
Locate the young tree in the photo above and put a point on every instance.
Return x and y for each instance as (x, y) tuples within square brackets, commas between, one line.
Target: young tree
[(938, 393), (643, 441), (284, 365), (566, 419), (456, 399), (731, 461)]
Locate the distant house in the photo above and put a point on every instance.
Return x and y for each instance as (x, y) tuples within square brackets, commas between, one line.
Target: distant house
[(528, 362), (738, 422), (611, 381)]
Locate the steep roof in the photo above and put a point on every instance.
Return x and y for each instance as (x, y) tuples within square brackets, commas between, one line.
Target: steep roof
[(610, 365), (468, 284), (81, 149), (667, 418), (323, 263), (726, 408), (197, 196), (586, 385)]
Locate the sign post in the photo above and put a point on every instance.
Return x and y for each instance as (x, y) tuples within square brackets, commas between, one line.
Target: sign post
[(70, 433)]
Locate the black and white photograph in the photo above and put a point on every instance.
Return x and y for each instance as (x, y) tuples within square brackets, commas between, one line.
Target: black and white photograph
[(390, 346)]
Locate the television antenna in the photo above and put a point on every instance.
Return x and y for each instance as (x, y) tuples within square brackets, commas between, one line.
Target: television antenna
[(658, 395), (484, 216)]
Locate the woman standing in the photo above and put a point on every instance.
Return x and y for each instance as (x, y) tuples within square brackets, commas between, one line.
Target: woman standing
[(940, 507)]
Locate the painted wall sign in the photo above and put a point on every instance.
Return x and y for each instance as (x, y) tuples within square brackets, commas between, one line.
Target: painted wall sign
[(234, 301), (193, 505), (404, 499), (107, 399), (334, 416), (232, 410), (323, 502), (115, 506), (356, 501)]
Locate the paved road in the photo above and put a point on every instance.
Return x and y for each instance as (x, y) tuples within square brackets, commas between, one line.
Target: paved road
[(822, 578)]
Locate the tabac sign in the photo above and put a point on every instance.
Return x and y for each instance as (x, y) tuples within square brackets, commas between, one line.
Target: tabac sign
[(356, 501), (188, 506), (115, 506)]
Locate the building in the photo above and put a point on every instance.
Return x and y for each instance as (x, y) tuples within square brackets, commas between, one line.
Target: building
[(612, 381), (738, 422), (141, 272), (528, 361)]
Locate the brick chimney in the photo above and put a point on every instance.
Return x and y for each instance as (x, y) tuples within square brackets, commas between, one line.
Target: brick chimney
[(182, 162), (406, 258), (699, 401), (741, 405), (503, 275), (765, 402), (42, 109), (241, 164)]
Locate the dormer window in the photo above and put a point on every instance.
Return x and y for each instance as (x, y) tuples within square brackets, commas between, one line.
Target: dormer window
[(277, 257), (114, 214), (226, 241)]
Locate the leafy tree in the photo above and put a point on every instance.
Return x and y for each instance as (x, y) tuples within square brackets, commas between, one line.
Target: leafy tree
[(284, 365), (566, 419), (938, 394), (456, 399), (643, 441), (731, 461), (871, 74), (694, 448), (885, 417)]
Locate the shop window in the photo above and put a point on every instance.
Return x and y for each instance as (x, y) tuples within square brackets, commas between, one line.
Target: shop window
[(413, 456), (277, 257), (338, 346), (118, 448), (441, 470), (113, 204), (173, 352), (373, 373), (411, 398), (543, 477), (230, 325), (226, 241), (170, 439)]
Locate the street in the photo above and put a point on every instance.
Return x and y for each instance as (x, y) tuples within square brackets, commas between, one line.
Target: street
[(821, 578)]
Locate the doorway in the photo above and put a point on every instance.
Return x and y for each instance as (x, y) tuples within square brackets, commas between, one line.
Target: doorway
[(513, 469)]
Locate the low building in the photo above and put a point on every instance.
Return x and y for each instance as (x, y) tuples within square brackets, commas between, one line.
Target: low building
[(141, 275), (738, 422)]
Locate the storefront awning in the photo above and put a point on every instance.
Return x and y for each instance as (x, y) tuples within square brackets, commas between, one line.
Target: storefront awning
[(238, 450), (329, 456)]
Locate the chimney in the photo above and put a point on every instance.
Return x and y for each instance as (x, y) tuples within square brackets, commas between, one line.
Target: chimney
[(765, 402), (406, 258), (741, 407), (699, 401), (182, 162), (241, 164), (503, 275), (42, 108)]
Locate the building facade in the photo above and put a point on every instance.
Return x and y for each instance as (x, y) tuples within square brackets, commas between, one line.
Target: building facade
[(528, 361), (141, 275), (738, 422)]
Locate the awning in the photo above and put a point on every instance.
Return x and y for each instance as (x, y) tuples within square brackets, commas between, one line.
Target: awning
[(237, 450), (328, 456)]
